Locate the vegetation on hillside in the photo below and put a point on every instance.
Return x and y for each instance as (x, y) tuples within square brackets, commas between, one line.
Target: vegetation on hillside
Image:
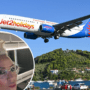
[(64, 61)]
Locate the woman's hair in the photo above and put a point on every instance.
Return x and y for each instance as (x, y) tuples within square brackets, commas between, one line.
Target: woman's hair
[(3, 52), (2, 49)]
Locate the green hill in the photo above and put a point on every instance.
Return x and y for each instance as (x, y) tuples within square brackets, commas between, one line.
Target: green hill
[(64, 61)]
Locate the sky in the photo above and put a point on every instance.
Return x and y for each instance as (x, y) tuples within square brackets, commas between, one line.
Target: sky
[(51, 10)]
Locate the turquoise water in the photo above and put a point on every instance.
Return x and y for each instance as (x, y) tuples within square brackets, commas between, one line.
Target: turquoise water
[(42, 85), (46, 84), (74, 82)]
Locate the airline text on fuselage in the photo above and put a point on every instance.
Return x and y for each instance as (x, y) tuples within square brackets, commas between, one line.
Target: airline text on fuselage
[(18, 24)]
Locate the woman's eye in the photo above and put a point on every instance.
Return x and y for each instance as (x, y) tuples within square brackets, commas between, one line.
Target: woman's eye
[(12, 69), (2, 72)]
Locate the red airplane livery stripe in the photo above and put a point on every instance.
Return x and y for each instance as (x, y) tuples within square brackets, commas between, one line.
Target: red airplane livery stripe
[(88, 29)]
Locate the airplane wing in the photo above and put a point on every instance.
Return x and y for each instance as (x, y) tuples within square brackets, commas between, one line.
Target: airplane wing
[(70, 24)]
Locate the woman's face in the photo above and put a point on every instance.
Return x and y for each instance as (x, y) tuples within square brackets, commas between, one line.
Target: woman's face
[(8, 82)]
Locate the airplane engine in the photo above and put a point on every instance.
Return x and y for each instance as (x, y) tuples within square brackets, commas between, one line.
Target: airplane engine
[(29, 35), (47, 28)]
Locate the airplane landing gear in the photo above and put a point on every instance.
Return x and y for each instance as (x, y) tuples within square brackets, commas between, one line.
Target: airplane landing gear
[(57, 36), (46, 40)]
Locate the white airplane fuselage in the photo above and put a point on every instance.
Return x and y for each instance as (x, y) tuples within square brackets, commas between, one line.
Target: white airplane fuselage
[(19, 23), (22, 24)]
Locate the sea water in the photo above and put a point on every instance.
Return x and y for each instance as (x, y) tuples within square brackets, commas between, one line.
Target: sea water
[(42, 84), (47, 85)]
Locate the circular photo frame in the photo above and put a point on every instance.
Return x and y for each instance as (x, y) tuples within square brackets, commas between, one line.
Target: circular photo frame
[(14, 51)]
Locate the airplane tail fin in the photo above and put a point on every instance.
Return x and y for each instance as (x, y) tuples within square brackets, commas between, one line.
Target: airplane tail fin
[(87, 28)]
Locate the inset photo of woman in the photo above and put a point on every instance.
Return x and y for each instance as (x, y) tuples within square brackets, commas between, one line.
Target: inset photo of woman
[(16, 63)]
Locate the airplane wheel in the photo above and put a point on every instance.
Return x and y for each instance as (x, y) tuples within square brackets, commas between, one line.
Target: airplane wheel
[(56, 37), (46, 40)]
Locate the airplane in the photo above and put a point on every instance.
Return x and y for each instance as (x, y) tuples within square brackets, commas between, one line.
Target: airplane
[(35, 28)]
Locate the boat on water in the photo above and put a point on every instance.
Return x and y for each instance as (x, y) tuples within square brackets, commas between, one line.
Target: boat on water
[(79, 79)]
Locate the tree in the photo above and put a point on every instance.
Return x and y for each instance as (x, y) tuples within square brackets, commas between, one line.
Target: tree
[(34, 78)]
